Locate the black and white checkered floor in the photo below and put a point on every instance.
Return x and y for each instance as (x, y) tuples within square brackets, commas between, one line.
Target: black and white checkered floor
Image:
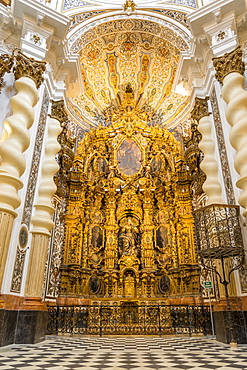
[(149, 353)]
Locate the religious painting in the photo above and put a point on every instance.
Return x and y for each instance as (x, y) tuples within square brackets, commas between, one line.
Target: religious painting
[(161, 237), (164, 284), (156, 164), (97, 237), (129, 157), (94, 284), (23, 236)]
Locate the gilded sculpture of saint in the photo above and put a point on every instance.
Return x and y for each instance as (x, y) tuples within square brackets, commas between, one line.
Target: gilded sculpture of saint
[(128, 237)]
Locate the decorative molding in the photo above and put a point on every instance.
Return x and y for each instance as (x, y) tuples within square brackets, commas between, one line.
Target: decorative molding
[(66, 154), (137, 22), (54, 256), (243, 278), (70, 4), (27, 210), (177, 16), (18, 270), (82, 17), (36, 38), (222, 149), (200, 109), (228, 63), (29, 67), (190, 3)]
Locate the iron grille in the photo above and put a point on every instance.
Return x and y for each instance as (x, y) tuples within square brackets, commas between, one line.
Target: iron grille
[(135, 319)]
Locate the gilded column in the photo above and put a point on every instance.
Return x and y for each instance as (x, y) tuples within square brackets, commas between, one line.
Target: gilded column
[(41, 221), (147, 228), (28, 74), (209, 164), (229, 71), (111, 227)]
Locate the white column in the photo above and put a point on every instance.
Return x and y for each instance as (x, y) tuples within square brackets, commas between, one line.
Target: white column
[(236, 114), (209, 165), (41, 221), (229, 71), (13, 162)]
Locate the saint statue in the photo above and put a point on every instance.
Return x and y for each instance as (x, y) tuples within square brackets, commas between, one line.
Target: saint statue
[(129, 236)]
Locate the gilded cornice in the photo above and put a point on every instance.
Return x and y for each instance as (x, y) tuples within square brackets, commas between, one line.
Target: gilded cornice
[(200, 109), (29, 67), (6, 63), (228, 63), (58, 111)]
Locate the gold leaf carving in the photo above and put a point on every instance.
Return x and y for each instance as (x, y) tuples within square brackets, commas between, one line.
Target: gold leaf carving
[(29, 67), (58, 111), (200, 109), (228, 63), (6, 63)]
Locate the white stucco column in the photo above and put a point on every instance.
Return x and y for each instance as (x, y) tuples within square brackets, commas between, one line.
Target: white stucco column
[(209, 164), (28, 74), (229, 71), (41, 221)]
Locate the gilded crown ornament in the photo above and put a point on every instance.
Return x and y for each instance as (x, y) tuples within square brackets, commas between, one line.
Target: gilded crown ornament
[(129, 6)]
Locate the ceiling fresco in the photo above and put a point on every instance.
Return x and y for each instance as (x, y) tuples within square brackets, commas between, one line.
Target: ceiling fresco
[(128, 52)]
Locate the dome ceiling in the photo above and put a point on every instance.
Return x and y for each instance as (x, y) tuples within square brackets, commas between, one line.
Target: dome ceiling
[(128, 53)]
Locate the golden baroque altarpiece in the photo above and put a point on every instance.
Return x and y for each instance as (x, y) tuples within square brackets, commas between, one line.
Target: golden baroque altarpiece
[(129, 223)]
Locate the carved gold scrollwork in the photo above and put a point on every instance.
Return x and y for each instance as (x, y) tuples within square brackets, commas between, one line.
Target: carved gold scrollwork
[(58, 111), (29, 67), (228, 63), (66, 154), (6, 63), (200, 109)]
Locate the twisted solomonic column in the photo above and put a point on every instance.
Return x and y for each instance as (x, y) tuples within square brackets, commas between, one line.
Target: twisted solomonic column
[(209, 164), (229, 71), (41, 221), (28, 74)]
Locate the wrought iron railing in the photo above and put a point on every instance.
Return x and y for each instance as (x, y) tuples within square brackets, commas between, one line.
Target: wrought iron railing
[(129, 319), (218, 231)]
